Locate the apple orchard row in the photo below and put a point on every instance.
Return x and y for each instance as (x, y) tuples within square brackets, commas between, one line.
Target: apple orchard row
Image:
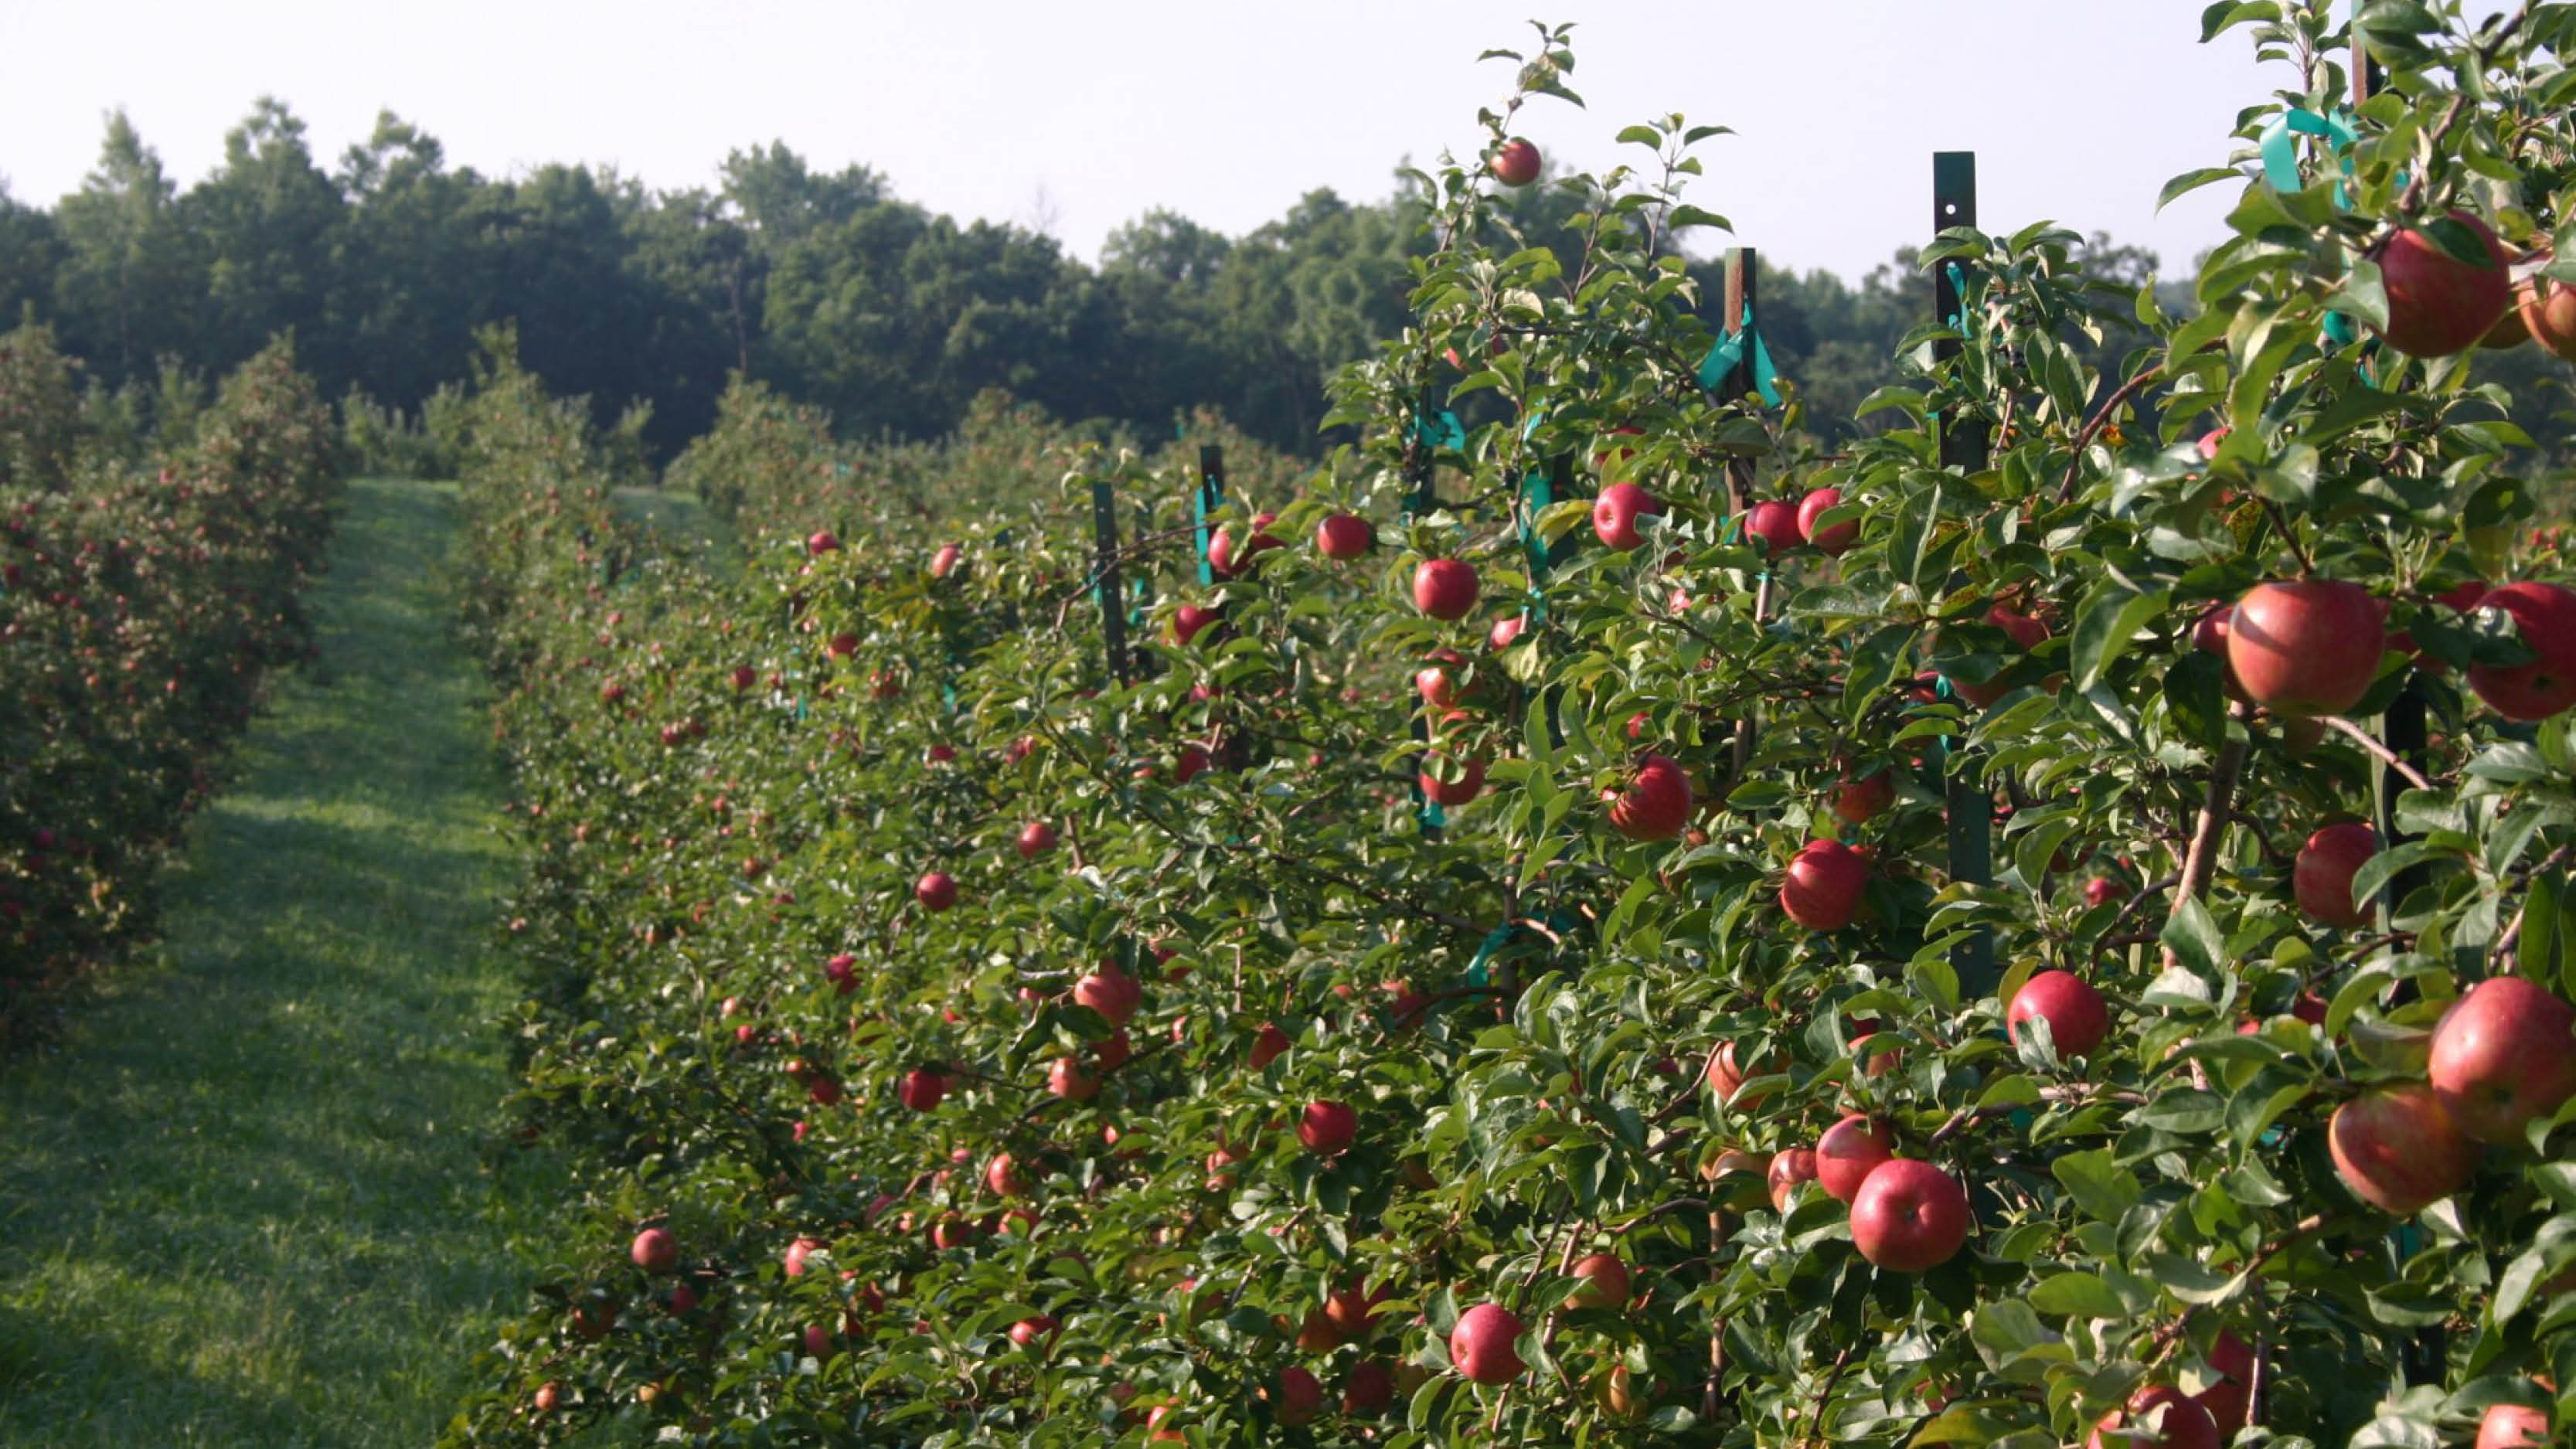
[(965, 1037)]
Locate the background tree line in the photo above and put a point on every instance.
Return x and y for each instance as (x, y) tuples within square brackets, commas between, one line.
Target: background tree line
[(827, 286)]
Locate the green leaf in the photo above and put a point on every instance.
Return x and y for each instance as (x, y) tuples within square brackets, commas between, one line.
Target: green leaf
[(2193, 937), (2191, 181), (2105, 624), (2097, 1182), (2077, 1295)]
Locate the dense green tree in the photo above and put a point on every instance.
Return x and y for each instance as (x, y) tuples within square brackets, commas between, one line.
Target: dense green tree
[(131, 284)]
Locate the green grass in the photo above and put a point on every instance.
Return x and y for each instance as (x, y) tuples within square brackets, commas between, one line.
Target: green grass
[(244, 1204)]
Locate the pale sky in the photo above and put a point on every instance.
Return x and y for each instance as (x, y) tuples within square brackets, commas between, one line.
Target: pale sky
[(1081, 117)]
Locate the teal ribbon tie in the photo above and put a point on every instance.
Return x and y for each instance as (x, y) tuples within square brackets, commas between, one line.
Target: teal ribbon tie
[(1439, 430), (2279, 148), (1729, 353)]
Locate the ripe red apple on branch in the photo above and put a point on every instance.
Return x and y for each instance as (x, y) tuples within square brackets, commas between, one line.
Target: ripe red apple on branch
[(1848, 1152), (2397, 1148), (936, 890), (1656, 804), (2159, 1416), (2544, 617), (2321, 878), (1616, 511), (1345, 536), (1909, 1216), (2306, 647), (1444, 588), (1516, 163), (2077, 1017), (2439, 304), (1484, 1345), (1825, 885), (2503, 1055), (1834, 539)]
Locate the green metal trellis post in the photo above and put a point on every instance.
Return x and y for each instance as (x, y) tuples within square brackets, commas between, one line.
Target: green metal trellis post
[(1970, 808)]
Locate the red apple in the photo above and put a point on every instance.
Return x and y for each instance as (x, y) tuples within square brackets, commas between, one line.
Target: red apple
[(2437, 303), (936, 890), (744, 676), (1516, 163), (2230, 1398), (1299, 1397), (922, 1089), (1848, 1152), (944, 562), (1616, 511), (1228, 560), (2397, 1148), (1345, 536), (2544, 615), (1789, 1168), (1505, 630), (1067, 1078), (2157, 1417), (1856, 802), (1002, 1176), (1824, 885), (2306, 647), (1111, 992), (1036, 1332), (2321, 880), (797, 1252), (1036, 839), (2100, 891), (1726, 1076), (655, 1251), (1776, 524), (822, 542), (1444, 588), (1469, 784), (1605, 1282), (1369, 1388), (1437, 681), (2504, 1053), (1268, 1046), (1833, 541), (1656, 804), (2076, 1016), (2511, 1426), (1189, 619), (1327, 1128), (1483, 1345), (1909, 1216)]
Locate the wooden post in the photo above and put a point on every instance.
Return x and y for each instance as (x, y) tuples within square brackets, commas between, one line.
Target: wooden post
[(1421, 495), (1970, 808), (1742, 301)]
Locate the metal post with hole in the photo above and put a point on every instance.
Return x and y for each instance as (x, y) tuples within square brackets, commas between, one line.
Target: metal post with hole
[(1969, 805)]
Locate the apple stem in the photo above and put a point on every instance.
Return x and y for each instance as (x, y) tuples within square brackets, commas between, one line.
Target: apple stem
[(2289, 536), (2378, 751)]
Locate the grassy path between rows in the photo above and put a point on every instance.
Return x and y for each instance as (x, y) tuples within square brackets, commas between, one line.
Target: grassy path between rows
[(245, 1204)]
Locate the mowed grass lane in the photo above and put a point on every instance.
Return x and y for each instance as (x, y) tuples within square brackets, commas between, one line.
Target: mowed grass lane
[(244, 1204)]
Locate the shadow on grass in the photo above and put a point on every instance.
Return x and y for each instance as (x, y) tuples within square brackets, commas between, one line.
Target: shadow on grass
[(245, 1205)]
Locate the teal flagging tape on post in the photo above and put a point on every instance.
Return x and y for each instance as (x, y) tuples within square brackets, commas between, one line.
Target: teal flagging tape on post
[(1732, 350), (1106, 587), (1209, 497), (1969, 811)]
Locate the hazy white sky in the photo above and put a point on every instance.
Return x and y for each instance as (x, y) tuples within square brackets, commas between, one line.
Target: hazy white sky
[(1080, 117)]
